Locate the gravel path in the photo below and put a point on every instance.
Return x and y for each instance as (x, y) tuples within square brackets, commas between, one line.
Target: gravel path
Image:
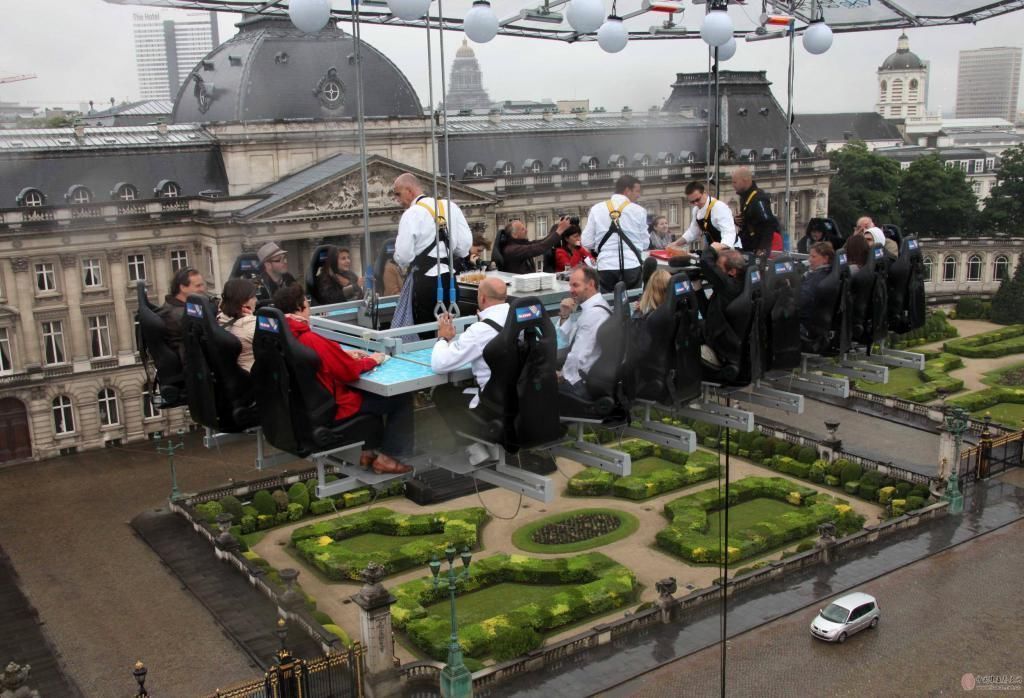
[(104, 597), (636, 551)]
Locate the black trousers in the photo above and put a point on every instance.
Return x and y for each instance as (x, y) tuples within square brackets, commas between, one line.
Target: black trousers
[(424, 299), (610, 277), (453, 406)]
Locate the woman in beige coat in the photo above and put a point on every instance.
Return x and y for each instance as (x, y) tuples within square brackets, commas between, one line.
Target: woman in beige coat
[(237, 306)]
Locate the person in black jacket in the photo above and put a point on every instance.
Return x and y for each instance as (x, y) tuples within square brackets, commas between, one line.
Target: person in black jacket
[(756, 223), (186, 281), (724, 268), (519, 251), (820, 259), (819, 230)]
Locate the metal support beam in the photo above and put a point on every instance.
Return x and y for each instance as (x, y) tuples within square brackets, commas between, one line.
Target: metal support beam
[(770, 397), (663, 434), (355, 476), (719, 415), (503, 475), (593, 455), (848, 368), (893, 357), (215, 440), (816, 384)]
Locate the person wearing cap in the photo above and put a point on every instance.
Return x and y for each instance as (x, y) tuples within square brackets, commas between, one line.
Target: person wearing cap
[(273, 270), (571, 253)]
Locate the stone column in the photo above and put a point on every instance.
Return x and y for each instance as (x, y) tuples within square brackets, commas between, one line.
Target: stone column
[(79, 349), (947, 451), (26, 300), (125, 323), (159, 275), (374, 603)]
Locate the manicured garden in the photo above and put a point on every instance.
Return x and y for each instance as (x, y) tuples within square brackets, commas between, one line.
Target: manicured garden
[(340, 548), (509, 603), (920, 386), (757, 529), (576, 530), (655, 470), (989, 345)]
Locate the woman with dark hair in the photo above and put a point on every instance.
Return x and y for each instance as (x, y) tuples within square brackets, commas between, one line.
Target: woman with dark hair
[(336, 282), (237, 306), (857, 248), (571, 253), (338, 368)]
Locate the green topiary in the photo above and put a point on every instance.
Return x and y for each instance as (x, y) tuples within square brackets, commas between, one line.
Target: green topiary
[(807, 454), (914, 503), (248, 524), (852, 487), (298, 494), (231, 505), (819, 469), (209, 511), (322, 506), (295, 511), (338, 633), (832, 480), (867, 491), (311, 489), (281, 500), (872, 477), (851, 472), (903, 488), (264, 503), (885, 494), (263, 522)]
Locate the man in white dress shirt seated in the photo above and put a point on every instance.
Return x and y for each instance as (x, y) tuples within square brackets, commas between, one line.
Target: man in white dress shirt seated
[(416, 248), (580, 329), (451, 353), (712, 219), (618, 254)]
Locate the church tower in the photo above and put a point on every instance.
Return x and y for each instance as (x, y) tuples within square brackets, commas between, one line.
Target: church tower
[(902, 84), (465, 88)]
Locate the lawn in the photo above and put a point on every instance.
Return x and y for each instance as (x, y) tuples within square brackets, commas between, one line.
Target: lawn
[(646, 466), (743, 516), (379, 543), (488, 602), (900, 379), (1011, 376), (1005, 413)]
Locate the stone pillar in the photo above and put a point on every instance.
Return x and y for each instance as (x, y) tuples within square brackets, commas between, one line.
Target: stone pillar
[(79, 351), (123, 320), (374, 603), (947, 452), (159, 275), (29, 331)]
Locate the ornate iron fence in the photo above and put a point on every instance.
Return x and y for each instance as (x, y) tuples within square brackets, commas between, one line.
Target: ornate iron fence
[(336, 675)]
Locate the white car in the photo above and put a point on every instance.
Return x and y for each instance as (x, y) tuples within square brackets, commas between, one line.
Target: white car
[(845, 616)]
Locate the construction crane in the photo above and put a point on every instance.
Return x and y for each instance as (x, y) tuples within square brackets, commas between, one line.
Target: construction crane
[(16, 78)]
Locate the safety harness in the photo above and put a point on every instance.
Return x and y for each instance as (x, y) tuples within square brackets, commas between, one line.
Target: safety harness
[(424, 260), (615, 213)]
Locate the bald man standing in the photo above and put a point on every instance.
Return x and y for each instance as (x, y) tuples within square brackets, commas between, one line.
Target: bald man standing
[(756, 224), (416, 248)]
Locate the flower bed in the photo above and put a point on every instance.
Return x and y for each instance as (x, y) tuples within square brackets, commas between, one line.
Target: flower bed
[(680, 470), (573, 531), (688, 533), (418, 537), (593, 584)]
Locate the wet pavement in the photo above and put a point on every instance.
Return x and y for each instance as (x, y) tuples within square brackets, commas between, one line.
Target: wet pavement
[(989, 505)]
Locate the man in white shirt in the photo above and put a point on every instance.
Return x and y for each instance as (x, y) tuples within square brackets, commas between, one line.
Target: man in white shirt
[(711, 218), (581, 330), (618, 256), (415, 247)]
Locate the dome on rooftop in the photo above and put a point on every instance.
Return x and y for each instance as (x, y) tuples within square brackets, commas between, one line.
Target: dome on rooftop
[(903, 59), (465, 51), (271, 70)]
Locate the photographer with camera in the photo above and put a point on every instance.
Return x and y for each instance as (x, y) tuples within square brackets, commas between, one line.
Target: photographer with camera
[(571, 253), (519, 251)]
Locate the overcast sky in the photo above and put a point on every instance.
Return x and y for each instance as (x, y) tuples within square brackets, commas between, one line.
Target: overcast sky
[(82, 50)]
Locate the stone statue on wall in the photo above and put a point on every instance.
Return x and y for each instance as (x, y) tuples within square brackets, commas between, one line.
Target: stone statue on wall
[(346, 195)]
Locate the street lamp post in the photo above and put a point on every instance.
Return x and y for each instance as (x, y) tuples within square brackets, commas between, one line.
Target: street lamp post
[(456, 679), (956, 422), (169, 448)]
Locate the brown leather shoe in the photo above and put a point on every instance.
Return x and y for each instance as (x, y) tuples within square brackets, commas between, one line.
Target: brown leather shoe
[(389, 466), (366, 459)]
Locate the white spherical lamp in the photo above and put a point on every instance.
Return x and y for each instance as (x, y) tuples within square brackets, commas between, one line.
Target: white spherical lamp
[(586, 16), (727, 50), (309, 15), (408, 10), (818, 37), (480, 24), (716, 28), (612, 36)]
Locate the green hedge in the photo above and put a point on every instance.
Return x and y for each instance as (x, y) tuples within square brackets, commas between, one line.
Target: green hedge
[(989, 345), (595, 585), (983, 399), (970, 308), (591, 482), (690, 468), (935, 328), (686, 535), (317, 543)]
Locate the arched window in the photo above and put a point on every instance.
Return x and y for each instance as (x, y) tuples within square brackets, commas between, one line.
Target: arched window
[(1000, 268), (79, 195), (949, 268), (477, 170), (63, 415), (106, 400), (123, 191), (563, 165), (882, 88), (669, 159), (974, 268), (167, 189), (928, 268), (912, 92), (593, 164), (31, 197), (536, 167), (507, 168)]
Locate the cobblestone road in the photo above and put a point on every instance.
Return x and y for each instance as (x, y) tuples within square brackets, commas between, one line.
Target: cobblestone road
[(954, 613)]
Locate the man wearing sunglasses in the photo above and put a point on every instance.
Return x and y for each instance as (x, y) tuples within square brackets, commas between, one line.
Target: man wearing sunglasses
[(273, 270), (711, 219)]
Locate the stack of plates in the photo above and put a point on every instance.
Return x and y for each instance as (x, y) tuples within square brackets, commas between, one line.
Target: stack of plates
[(528, 283)]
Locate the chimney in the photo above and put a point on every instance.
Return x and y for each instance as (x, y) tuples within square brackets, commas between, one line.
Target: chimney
[(161, 128), (79, 131), (494, 116), (547, 115), (627, 113)]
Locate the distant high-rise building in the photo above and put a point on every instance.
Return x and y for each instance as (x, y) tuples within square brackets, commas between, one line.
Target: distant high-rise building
[(166, 50), (466, 90), (902, 84), (987, 83)]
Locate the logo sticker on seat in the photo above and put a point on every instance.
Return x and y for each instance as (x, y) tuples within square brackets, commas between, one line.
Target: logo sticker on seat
[(530, 312), (194, 309), (911, 244), (683, 287), (879, 253), (267, 324), (248, 265), (783, 267), (755, 277), (322, 257), (842, 258)]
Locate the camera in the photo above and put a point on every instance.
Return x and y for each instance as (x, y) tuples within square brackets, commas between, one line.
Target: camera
[(573, 220)]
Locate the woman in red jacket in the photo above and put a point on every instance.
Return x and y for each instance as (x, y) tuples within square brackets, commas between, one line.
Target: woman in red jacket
[(338, 368), (571, 253)]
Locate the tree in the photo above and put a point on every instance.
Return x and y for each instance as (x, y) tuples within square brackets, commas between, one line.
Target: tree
[(1004, 207), (936, 200), (1008, 303), (865, 184)]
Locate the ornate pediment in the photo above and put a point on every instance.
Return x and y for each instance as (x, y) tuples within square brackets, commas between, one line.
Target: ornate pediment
[(346, 195)]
